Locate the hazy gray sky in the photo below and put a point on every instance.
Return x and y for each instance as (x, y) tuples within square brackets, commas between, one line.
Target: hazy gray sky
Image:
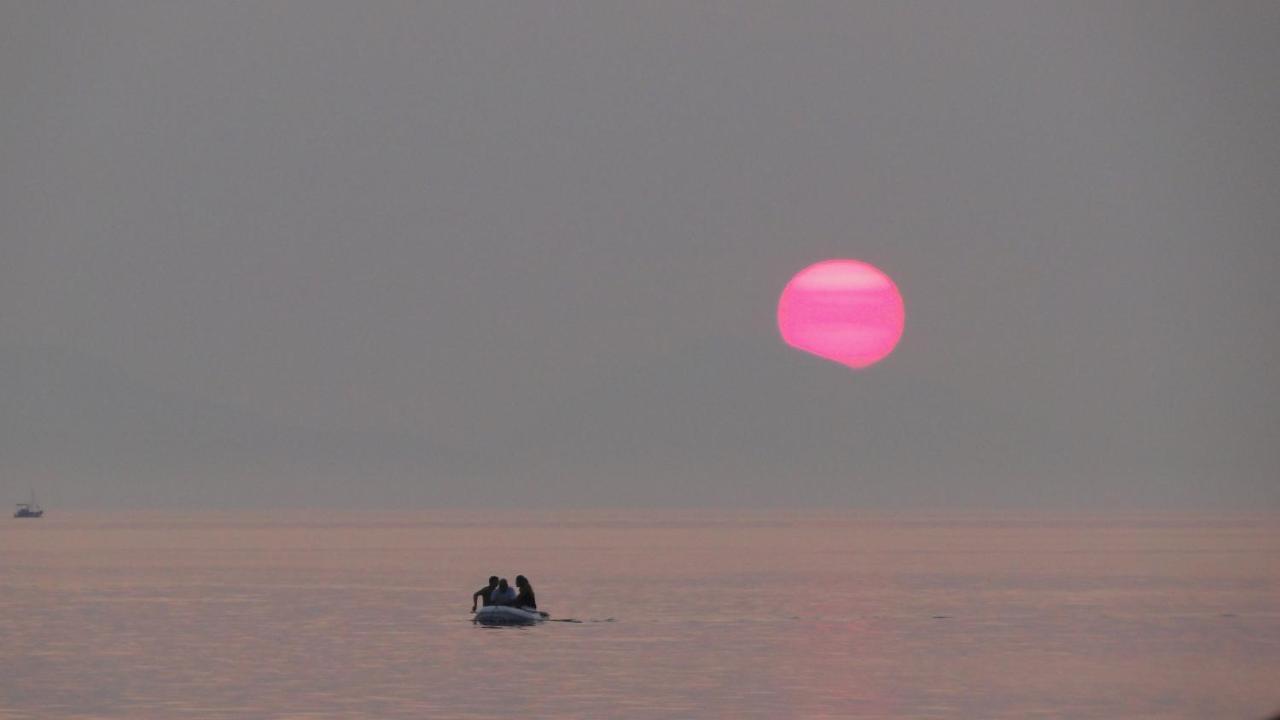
[(403, 254)]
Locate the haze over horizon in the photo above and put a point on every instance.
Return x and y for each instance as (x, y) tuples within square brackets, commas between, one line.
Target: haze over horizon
[(326, 254)]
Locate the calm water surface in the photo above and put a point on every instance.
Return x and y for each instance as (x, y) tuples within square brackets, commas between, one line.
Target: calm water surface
[(685, 614)]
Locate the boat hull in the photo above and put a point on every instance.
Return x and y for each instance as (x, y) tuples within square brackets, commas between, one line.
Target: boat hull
[(504, 615)]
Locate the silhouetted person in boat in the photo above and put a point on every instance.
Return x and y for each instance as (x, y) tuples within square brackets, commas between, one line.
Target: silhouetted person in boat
[(504, 594), (525, 599), (485, 594)]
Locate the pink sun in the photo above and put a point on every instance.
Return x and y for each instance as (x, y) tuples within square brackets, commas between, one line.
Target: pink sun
[(846, 311)]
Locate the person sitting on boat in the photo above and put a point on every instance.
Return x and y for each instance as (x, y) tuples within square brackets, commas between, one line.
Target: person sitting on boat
[(525, 599), (484, 594), (504, 594)]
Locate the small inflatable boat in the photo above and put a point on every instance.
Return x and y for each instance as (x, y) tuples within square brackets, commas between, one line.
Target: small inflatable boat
[(505, 615)]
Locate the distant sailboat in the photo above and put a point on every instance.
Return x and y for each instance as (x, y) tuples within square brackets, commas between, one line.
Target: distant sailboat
[(29, 509)]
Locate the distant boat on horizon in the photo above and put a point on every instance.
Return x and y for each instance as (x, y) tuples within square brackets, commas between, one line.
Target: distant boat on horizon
[(29, 509)]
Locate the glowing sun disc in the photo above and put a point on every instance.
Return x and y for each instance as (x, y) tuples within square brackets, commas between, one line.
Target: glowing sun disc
[(846, 311)]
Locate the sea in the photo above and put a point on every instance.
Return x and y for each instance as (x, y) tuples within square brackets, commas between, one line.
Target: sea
[(655, 614)]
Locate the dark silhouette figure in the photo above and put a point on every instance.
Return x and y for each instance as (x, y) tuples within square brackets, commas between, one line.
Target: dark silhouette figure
[(504, 594), (525, 599), (485, 594)]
